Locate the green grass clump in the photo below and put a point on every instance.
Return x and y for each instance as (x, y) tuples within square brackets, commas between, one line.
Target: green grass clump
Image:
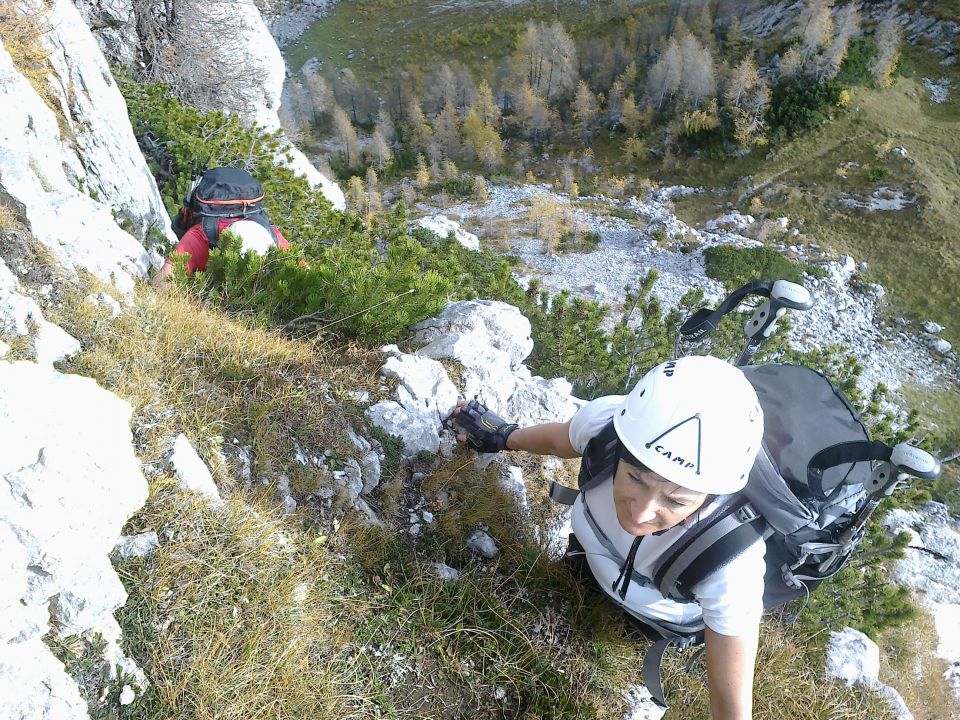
[(736, 266)]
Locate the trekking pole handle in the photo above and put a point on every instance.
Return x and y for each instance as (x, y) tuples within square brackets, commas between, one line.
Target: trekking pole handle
[(790, 295), (911, 460), (784, 295)]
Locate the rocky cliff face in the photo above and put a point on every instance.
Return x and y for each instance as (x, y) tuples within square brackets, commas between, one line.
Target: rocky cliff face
[(72, 180), (229, 36)]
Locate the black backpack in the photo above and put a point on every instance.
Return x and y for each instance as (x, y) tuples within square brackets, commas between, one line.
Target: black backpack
[(808, 497), (222, 193)]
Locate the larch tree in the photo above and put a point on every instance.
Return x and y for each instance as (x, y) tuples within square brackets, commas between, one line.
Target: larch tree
[(466, 88), (735, 41), (446, 132), (374, 199), (791, 63), (385, 124), (664, 78), (484, 105), (441, 87), (379, 150), (481, 192), (419, 131), (422, 177), (489, 148), (698, 83), (356, 195), (321, 96), (531, 112), (628, 78), (585, 111), (632, 117), (346, 137), (741, 79), (889, 36), (615, 100), (816, 24), (546, 59), (847, 26)]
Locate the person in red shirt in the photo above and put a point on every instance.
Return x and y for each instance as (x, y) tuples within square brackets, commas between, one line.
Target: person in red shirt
[(194, 244)]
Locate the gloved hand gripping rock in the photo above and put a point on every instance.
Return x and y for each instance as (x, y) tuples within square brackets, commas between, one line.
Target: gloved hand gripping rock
[(486, 431)]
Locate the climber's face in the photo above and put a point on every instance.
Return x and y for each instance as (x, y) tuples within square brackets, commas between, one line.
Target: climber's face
[(647, 503)]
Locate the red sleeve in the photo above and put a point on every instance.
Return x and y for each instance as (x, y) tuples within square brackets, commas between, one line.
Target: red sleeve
[(282, 242), (194, 244)]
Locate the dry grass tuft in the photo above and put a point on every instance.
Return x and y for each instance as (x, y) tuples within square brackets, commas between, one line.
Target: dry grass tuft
[(908, 663), (23, 31), (8, 218), (188, 369), (233, 619), (789, 685)]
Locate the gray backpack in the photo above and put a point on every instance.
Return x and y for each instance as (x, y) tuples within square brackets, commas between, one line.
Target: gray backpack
[(816, 480)]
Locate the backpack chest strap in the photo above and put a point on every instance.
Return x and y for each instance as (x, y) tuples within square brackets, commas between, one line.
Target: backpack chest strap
[(706, 547)]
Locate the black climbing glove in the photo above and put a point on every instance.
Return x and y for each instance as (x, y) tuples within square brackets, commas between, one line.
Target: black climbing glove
[(486, 431)]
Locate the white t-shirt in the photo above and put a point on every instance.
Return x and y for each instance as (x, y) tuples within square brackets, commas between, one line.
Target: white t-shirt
[(730, 599)]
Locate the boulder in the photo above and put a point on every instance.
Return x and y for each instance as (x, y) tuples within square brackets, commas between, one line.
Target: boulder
[(475, 331), (424, 385), (939, 345), (852, 657), (442, 226), (444, 572), (418, 432), (19, 314), (511, 480), (43, 175), (640, 704), (931, 327), (732, 220), (490, 340), (69, 479)]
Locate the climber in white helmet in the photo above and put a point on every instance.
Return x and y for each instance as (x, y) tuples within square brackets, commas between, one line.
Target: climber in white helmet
[(655, 462)]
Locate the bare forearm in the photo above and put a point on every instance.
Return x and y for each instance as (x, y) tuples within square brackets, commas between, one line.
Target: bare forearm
[(545, 439), (730, 668)]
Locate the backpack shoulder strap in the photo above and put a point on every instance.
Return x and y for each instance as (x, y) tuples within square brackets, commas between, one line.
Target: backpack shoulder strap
[(598, 463), (210, 224), (706, 547)]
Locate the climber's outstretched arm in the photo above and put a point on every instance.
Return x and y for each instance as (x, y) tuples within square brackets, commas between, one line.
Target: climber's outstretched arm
[(486, 431)]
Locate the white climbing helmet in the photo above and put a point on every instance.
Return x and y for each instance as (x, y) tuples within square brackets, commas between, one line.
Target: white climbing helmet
[(253, 236), (696, 422)]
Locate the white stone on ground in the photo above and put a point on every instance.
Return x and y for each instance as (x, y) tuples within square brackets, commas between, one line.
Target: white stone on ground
[(127, 695), (511, 480), (142, 545), (482, 543), (191, 471), (732, 220), (442, 226), (102, 299), (640, 704), (854, 658), (52, 344), (939, 89), (445, 572)]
